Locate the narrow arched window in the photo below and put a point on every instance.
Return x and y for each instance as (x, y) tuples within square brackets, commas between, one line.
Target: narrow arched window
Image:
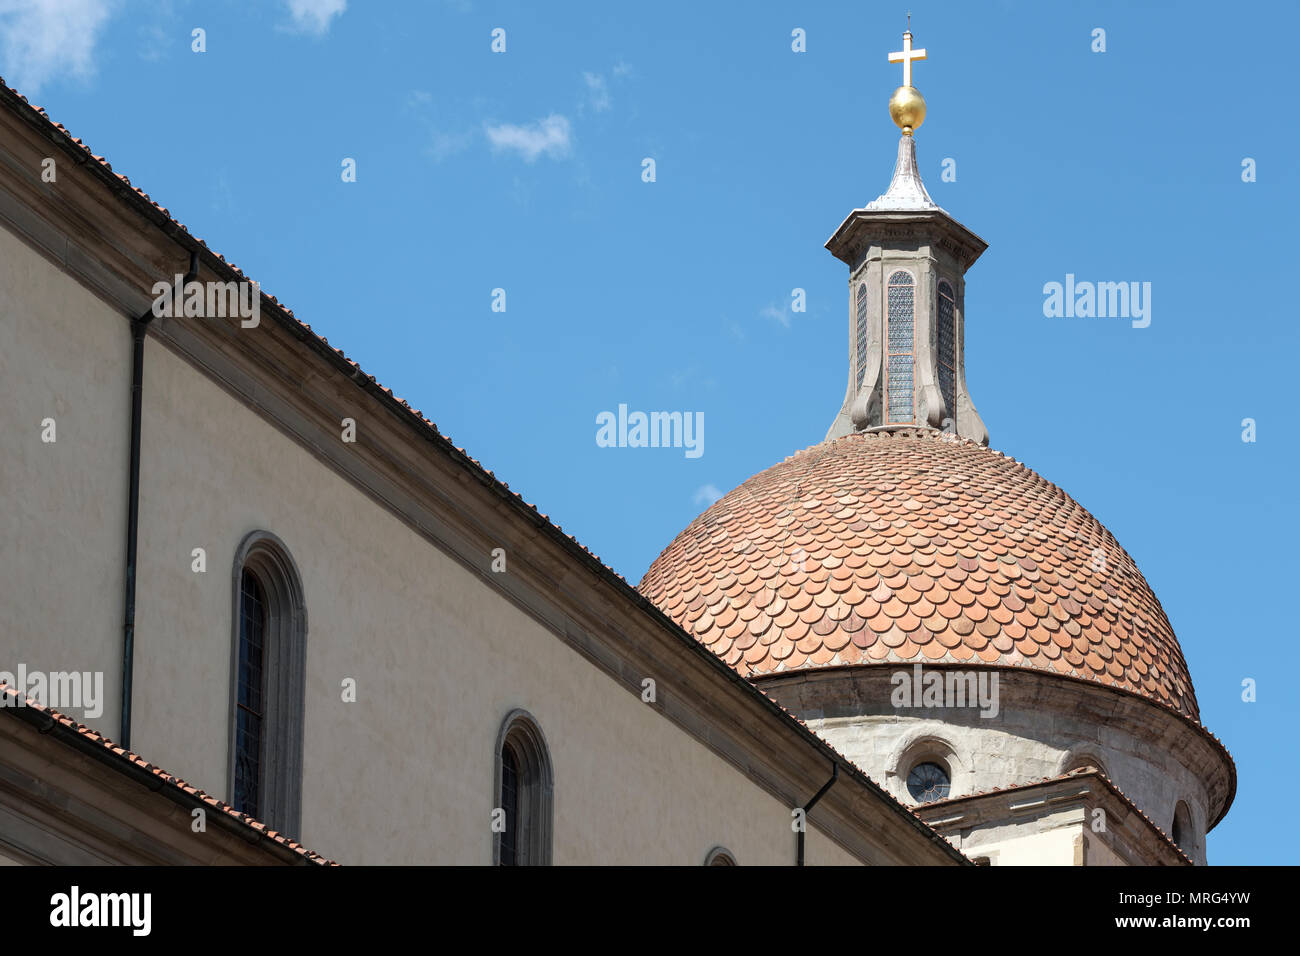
[(899, 366), (268, 665), (1182, 829), (250, 694), (720, 856), (948, 350), (509, 806), (522, 836), (862, 333)]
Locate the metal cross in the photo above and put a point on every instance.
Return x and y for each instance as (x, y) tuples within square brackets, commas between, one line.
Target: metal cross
[(906, 56)]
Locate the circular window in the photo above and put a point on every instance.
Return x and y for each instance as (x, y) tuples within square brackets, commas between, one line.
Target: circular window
[(927, 783)]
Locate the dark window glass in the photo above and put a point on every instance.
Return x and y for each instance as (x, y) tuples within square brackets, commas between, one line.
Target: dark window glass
[(862, 333), (510, 838), (948, 350), (1182, 827), (250, 709), (899, 340), (927, 782)]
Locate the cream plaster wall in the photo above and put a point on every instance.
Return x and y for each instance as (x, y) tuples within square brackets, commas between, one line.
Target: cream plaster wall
[(65, 355), (1011, 846), (1052, 841)]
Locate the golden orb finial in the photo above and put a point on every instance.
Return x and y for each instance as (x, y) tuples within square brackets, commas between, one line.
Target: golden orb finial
[(907, 105), (907, 109)]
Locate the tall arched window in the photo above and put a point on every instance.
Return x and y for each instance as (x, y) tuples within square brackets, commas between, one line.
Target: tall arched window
[(948, 350), (1182, 829), (862, 333), (523, 794), (720, 856), (899, 367), (268, 664), (250, 693)]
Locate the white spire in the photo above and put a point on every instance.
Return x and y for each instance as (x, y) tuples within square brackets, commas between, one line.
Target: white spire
[(906, 192)]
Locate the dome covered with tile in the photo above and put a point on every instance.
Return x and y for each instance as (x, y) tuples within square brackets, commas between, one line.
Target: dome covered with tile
[(915, 546)]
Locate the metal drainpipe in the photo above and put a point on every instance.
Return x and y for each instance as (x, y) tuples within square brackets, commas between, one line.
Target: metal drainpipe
[(807, 808), (138, 327)]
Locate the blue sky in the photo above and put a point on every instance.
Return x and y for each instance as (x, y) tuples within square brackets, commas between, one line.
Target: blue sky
[(522, 170)]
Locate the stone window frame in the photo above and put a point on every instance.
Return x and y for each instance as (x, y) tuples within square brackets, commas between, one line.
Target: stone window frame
[(941, 765), (1078, 758), (521, 731), (885, 416), (284, 674), (720, 856), (926, 747)]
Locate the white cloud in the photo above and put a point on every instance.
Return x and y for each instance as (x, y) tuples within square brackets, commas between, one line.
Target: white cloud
[(776, 313), (707, 495), (41, 39), (597, 92), (314, 16), (550, 136)]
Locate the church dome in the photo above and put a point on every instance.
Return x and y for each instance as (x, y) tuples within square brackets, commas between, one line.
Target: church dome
[(916, 546)]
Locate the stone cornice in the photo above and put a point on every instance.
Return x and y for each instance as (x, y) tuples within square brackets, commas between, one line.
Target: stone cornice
[(865, 226), (1128, 831)]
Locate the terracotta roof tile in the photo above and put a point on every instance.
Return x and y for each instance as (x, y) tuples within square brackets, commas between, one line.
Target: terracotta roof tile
[(959, 548)]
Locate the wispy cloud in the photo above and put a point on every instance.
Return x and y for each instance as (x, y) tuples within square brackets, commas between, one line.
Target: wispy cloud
[(777, 313), (444, 144), (707, 494), (446, 138), (40, 39), (597, 92), (550, 137), (314, 16), (155, 42)]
